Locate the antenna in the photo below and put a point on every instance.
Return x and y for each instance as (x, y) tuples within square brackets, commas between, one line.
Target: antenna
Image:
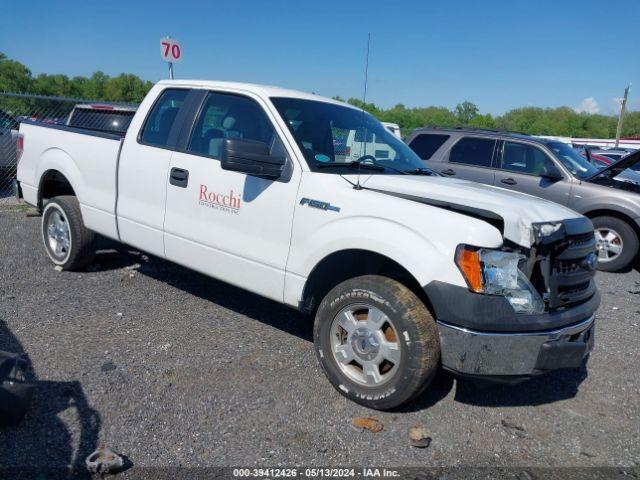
[(364, 103)]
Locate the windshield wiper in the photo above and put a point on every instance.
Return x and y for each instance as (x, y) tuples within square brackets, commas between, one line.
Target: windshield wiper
[(421, 171), (374, 163), (354, 164), (370, 165)]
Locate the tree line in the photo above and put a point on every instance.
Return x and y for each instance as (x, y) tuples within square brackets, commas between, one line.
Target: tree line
[(561, 121), (17, 78)]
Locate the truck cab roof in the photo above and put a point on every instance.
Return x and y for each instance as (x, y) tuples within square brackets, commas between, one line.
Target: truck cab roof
[(267, 91)]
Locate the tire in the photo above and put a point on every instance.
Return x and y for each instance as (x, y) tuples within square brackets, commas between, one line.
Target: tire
[(376, 311), (67, 241), (610, 228)]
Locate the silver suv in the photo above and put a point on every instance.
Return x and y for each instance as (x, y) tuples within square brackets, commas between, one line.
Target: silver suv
[(548, 169)]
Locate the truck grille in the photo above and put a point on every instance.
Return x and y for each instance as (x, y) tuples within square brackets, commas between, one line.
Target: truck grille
[(571, 270), (565, 265)]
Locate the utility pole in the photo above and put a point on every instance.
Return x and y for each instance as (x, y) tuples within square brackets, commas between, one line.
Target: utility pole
[(622, 110)]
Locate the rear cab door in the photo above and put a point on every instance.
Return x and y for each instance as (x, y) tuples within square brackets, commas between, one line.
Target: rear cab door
[(521, 167), (227, 224), (144, 167)]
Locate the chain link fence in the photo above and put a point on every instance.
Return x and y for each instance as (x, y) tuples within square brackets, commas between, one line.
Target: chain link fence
[(77, 112)]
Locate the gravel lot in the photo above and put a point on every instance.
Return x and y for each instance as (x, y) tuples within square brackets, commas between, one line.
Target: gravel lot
[(173, 368)]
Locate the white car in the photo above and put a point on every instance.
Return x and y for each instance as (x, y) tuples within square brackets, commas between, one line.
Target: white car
[(404, 271), (362, 142), (393, 128)]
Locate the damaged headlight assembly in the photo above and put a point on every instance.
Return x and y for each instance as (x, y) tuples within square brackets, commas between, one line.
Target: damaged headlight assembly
[(497, 272)]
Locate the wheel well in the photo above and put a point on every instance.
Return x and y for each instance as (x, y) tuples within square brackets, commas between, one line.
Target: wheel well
[(52, 184), (346, 264), (616, 214)]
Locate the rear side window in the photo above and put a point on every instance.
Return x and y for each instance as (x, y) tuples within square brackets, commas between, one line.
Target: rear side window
[(473, 151), (162, 117), (425, 145)]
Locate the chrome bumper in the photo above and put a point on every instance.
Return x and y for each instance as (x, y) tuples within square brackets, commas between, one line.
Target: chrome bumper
[(472, 352)]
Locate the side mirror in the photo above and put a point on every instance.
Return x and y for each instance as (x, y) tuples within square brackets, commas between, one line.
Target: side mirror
[(551, 172), (251, 157)]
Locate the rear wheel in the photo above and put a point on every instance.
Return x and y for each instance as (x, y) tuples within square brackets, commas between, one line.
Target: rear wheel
[(376, 341), (67, 241), (617, 243)]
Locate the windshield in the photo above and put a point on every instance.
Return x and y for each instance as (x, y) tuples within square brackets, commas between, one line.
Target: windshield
[(572, 160), (334, 137)]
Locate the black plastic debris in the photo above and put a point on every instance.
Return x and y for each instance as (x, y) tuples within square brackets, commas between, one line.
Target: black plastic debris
[(104, 461), (15, 392), (419, 437)]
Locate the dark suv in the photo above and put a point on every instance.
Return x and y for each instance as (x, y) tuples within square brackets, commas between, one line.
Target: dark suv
[(548, 169)]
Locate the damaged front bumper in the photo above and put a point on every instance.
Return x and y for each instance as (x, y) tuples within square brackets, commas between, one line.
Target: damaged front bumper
[(515, 354)]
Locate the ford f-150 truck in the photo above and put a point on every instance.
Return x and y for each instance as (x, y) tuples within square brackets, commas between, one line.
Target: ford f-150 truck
[(404, 270)]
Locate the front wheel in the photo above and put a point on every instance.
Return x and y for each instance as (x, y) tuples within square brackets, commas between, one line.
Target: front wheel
[(67, 241), (616, 242), (376, 341)]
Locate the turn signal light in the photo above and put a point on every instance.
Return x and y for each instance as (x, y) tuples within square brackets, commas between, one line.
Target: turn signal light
[(468, 262)]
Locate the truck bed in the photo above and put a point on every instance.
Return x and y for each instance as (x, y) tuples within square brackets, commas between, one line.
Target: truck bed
[(93, 171)]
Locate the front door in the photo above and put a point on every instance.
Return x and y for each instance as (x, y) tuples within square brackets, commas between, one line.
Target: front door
[(227, 224), (520, 168)]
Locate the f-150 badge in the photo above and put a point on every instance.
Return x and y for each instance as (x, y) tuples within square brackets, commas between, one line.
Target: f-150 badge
[(319, 204)]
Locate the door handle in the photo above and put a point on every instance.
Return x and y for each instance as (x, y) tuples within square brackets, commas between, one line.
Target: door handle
[(448, 172), (179, 177), (509, 181)]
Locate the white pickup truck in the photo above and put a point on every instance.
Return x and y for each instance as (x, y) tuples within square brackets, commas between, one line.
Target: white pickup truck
[(404, 271)]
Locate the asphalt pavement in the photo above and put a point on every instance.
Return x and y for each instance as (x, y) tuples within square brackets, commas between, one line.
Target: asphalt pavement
[(172, 368)]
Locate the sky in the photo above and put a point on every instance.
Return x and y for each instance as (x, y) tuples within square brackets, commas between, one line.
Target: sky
[(496, 54)]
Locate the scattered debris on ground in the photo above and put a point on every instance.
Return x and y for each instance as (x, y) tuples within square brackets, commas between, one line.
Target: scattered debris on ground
[(104, 460), (368, 423), (519, 430), (419, 437)]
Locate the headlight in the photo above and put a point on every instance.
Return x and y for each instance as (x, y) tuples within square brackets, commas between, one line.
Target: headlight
[(544, 230), (494, 272)]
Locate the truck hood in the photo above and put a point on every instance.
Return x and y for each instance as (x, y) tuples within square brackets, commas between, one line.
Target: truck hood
[(513, 213)]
